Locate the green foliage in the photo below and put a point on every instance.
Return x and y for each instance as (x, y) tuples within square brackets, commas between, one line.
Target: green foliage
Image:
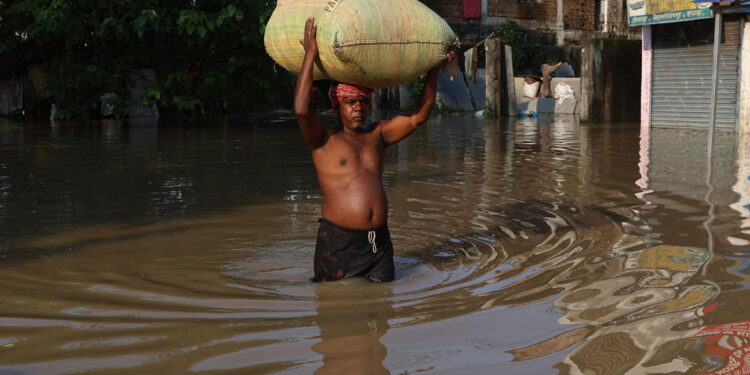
[(415, 90), (525, 55), (209, 55)]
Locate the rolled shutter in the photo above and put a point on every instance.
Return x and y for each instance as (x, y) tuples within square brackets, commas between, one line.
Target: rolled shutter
[(682, 78)]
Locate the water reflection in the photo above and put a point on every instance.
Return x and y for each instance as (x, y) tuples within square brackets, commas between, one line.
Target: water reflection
[(742, 189), (79, 173), (350, 335), (651, 316), (650, 302), (521, 247)]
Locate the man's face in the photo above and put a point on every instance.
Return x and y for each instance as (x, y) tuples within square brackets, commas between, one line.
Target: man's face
[(353, 112)]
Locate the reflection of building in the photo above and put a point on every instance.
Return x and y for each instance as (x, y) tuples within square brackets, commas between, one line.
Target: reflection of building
[(634, 318), (674, 177), (742, 188)]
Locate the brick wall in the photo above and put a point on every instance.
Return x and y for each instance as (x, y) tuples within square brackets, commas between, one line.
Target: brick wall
[(579, 14), (448, 9), (541, 10)]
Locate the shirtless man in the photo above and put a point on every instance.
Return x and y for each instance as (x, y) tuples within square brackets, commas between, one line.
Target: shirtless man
[(353, 239)]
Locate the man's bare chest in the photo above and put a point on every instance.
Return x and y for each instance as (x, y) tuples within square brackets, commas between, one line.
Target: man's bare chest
[(341, 154)]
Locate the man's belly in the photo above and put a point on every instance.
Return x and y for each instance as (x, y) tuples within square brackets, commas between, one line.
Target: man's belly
[(360, 204)]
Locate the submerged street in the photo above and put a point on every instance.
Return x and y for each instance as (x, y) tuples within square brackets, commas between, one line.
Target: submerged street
[(538, 247)]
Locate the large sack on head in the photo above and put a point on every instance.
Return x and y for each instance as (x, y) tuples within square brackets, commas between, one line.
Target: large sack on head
[(373, 43)]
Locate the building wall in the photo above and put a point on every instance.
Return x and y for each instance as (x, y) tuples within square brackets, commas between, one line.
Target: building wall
[(744, 123), (449, 9), (542, 10), (579, 14)]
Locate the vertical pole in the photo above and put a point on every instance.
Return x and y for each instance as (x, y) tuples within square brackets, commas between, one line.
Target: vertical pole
[(396, 90), (715, 81), (744, 100), (510, 83), (644, 162), (587, 80), (392, 99), (376, 103), (499, 71), (710, 151), (494, 75), (646, 77), (560, 24)]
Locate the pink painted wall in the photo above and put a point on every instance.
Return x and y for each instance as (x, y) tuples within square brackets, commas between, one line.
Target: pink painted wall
[(646, 66)]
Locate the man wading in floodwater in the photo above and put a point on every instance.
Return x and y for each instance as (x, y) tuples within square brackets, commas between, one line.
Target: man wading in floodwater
[(353, 239)]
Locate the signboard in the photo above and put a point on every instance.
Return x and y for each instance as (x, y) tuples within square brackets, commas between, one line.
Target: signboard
[(649, 12)]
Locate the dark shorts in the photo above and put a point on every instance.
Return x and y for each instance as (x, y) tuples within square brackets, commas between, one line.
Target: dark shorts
[(341, 253)]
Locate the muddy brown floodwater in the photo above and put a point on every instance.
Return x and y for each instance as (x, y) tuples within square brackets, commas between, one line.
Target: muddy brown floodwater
[(522, 247)]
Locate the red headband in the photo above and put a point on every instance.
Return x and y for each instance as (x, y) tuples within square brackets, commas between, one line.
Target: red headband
[(343, 91)]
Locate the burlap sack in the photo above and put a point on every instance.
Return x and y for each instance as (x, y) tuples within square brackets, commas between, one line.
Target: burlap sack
[(374, 43)]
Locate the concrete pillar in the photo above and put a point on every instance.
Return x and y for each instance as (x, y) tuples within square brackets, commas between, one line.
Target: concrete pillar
[(560, 29), (404, 95), (494, 75), (375, 104), (587, 80), (614, 17), (744, 99), (510, 84), (394, 98), (591, 80), (485, 11)]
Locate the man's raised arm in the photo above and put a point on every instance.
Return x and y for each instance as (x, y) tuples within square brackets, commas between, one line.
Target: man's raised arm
[(312, 128), (399, 127)]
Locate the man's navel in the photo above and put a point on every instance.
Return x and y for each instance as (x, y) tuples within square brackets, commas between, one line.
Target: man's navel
[(342, 162)]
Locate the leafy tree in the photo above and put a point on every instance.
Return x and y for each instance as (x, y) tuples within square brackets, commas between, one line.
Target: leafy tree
[(526, 55), (209, 55)]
